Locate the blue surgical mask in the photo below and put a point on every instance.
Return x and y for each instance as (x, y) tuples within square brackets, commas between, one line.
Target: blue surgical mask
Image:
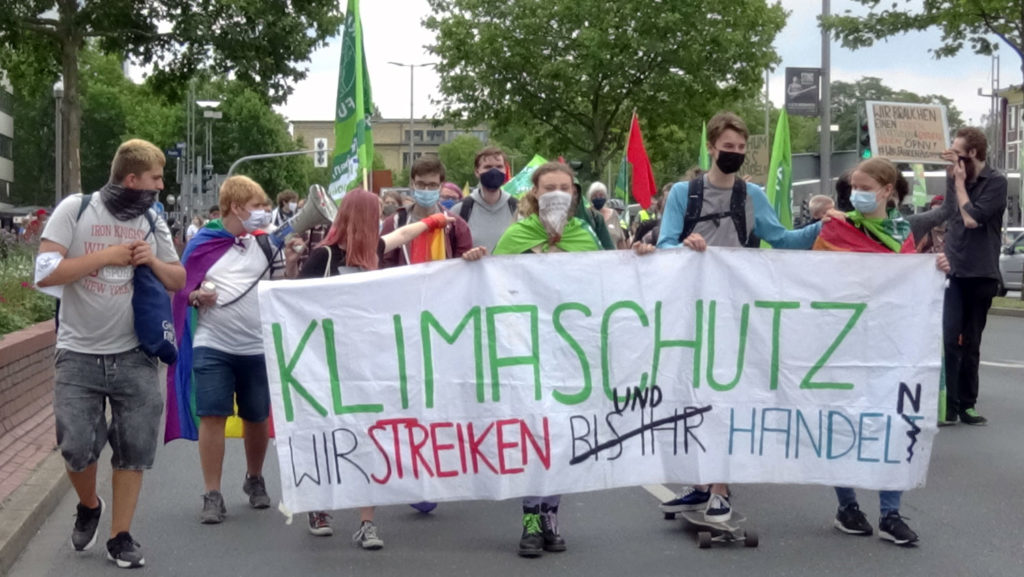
[(448, 203), (864, 201), (426, 198)]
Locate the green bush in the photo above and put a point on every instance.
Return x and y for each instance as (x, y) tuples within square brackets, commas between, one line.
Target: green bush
[(20, 304)]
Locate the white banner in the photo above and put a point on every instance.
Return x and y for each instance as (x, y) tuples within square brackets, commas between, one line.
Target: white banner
[(494, 379)]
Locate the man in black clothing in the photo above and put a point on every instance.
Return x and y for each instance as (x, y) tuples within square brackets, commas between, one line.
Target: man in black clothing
[(977, 195)]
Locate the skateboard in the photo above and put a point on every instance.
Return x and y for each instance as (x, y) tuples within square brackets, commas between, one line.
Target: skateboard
[(724, 532)]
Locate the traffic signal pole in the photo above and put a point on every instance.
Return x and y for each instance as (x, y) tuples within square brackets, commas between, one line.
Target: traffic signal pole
[(235, 164)]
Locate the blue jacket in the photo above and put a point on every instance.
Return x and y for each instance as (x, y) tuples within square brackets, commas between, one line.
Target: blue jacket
[(766, 223)]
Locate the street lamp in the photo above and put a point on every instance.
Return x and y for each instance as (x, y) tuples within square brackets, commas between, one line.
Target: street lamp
[(411, 67), (58, 129), (210, 114)]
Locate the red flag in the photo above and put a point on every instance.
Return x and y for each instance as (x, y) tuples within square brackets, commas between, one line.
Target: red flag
[(644, 188), (508, 171), (561, 159)]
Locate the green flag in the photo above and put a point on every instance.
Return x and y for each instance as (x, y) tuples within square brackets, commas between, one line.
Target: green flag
[(353, 139), (622, 180), (520, 184), (920, 188), (780, 173), (704, 161)]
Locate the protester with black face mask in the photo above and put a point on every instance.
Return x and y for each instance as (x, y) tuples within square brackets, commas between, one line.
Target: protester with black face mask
[(723, 221), (488, 210)]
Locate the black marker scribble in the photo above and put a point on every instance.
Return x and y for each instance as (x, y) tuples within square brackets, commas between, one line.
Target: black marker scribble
[(915, 402), (912, 433), (689, 412)]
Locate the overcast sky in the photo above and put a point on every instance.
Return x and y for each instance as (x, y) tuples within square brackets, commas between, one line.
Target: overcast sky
[(392, 32)]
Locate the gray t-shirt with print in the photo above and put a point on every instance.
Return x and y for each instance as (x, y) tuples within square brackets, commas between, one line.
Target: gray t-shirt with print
[(96, 314)]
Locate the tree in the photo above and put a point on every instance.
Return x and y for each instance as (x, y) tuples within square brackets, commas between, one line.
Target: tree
[(457, 157), (961, 21), (260, 42), (848, 98), (580, 67)]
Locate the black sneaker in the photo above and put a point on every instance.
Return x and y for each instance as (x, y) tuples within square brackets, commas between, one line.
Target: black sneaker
[(971, 417), (214, 510), (125, 551), (86, 521), (256, 488), (851, 521), (892, 528), (553, 541), (531, 544), (689, 499)]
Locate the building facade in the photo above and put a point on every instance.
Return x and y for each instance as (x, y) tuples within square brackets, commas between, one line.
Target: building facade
[(392, 137), (6, 139), (1013, 123)]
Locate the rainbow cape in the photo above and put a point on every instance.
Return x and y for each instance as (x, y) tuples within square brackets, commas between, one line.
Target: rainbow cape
[(837, 235), (428, 247), (202, 252), (528, 233)]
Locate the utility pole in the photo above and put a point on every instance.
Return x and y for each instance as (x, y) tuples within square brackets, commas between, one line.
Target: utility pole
[(412, 94), (826, 107)]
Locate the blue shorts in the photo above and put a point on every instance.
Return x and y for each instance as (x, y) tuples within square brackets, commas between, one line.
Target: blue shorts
[(223, 379)]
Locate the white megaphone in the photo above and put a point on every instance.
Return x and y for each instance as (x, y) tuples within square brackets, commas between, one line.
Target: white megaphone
[(319, 209)]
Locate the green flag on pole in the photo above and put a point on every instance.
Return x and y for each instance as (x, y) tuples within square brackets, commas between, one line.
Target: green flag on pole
[(520, 184), (920, 187), (704, 160), (622, 180), (353, 138), (780, 173)]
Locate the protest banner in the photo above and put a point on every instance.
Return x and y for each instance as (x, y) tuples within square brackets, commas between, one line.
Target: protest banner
[(561, 373), (904, 132), (756, 163)]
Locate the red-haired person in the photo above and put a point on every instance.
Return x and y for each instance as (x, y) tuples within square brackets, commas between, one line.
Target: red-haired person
[(353, 244)]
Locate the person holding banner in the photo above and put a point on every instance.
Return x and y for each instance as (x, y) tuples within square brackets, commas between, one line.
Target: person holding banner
[(721, 209), (221, 363), (488, 210), (547, 227), (353, 244), (874, 226)]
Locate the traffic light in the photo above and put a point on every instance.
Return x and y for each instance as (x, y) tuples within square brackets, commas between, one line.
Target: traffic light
[(320, 154), (863, 136), (208, 183)]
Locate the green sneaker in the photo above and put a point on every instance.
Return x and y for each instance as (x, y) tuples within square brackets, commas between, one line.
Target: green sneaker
[(971, 417), (531, 544)]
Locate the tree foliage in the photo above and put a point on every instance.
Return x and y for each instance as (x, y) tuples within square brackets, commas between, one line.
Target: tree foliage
[(261, 43), (578, 68), (457, 156), (962, 22)]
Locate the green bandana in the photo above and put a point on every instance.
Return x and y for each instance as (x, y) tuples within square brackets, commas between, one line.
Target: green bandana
[(526, 234), (892, 231)]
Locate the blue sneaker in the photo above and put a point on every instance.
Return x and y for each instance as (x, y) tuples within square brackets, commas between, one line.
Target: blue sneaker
[(689, 499), (718, 510), (424, 506)]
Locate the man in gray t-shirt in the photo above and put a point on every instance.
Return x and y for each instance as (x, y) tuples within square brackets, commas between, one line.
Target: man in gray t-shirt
[(88, 253), (488, 210)]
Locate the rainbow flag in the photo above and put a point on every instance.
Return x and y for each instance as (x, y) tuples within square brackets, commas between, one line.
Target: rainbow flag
[(837, 235), (428, 247)]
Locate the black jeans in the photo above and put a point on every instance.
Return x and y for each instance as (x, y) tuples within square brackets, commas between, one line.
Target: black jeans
[(963, 320)]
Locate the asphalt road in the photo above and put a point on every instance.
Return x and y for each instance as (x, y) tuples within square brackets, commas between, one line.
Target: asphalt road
[(970, 518)]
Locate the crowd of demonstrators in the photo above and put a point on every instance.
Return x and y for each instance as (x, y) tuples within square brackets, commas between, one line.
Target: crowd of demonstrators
[(221, 348), (488, 210), (98, 359), (354, 244), (875, 225), (225, 261)]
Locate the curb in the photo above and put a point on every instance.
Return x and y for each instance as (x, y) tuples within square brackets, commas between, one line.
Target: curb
[(1019, 313), (23, 513)]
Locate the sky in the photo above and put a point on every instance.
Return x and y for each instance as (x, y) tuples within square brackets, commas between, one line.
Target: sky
[(392, 32)]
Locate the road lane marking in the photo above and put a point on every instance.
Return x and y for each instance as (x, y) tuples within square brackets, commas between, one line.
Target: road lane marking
[(660, 492), (1003, 365)]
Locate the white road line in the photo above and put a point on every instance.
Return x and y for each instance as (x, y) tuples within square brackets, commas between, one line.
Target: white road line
[(660, 492), (1003, 365)]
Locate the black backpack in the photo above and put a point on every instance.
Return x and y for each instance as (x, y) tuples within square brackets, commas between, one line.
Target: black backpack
[(468, 202), (737, 211)]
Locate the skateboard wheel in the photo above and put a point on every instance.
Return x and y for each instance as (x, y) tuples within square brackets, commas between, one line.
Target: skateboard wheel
[(751, 539), (670, 516), (704, 539)]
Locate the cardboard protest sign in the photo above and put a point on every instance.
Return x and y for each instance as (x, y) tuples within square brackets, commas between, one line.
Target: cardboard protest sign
[(758, 157), (904, 132), (727, 366)]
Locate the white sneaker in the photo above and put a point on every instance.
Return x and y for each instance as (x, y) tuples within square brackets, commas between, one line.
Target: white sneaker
[(367, 536), (718, 510)]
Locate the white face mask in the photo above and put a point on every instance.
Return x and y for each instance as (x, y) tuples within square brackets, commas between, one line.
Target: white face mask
[(292, 206), (258, 219), (554, 211)]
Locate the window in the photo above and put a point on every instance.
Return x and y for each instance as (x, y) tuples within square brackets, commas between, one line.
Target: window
[(1012, 121), (6, 102), (405, 159), (6, 147), (416, 134), (1012, 156), (435, 136)]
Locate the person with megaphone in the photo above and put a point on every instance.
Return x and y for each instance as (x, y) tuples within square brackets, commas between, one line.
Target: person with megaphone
[(352, 245)]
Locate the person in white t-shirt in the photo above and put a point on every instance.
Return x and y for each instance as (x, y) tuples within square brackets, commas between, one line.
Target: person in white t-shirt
[(228, 364), (88, 254)]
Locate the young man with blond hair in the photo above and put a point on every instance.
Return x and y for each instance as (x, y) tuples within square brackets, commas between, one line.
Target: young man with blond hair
[(222, 361), (88, 255)]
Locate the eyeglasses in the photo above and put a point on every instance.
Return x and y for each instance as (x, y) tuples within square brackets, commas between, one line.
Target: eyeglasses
[(421, 185)]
